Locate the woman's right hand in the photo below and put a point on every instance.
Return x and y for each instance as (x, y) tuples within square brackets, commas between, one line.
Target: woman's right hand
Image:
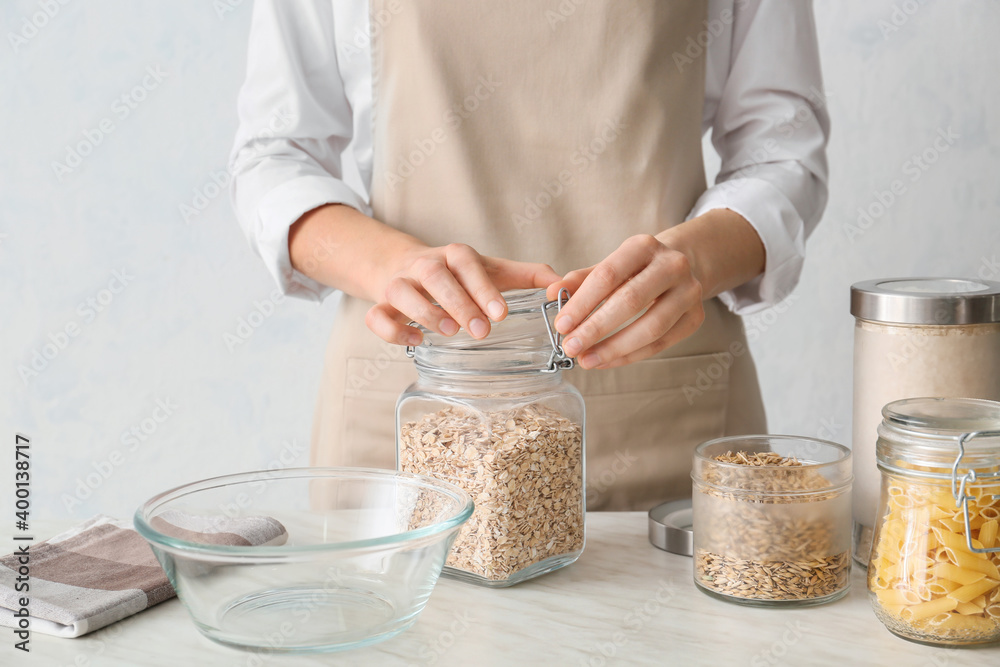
[(466, 284)]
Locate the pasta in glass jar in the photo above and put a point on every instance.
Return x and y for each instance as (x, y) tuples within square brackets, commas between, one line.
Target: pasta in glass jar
[(934, 572)]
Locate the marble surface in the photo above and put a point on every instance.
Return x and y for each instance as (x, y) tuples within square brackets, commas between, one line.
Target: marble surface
[(623, 603)]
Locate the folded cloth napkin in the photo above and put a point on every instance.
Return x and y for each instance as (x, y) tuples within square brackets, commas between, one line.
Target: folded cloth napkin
[(103, 571)]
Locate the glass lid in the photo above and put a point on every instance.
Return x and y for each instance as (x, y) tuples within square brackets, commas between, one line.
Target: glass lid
[(519, 342)]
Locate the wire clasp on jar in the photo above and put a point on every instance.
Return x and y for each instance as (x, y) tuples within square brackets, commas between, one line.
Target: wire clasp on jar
[(558, 361), (959, 487)]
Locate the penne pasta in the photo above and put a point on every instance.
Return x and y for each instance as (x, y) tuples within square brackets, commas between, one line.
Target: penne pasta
[(928, 609), (897, 596), (967, 609), (957, 541), (972, 591), (943, 586), (965, 560), (954, 573), (923, 573), (988, 533)]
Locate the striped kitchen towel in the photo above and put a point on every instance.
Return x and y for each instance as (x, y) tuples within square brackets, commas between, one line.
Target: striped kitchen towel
[(103, 571)]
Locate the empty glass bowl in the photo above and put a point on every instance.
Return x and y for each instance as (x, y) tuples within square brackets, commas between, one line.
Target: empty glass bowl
[(363, 551)]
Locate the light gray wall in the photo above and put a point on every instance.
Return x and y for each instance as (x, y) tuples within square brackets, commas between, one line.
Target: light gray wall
[(162, 336)]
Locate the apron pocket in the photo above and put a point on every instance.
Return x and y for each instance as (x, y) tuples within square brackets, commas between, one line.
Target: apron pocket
[(643, 423), (371, 388)]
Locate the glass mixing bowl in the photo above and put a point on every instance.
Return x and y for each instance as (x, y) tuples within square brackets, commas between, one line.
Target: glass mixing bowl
[(363, 552)]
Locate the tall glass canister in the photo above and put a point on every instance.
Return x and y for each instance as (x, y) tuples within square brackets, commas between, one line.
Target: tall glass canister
[(934, 573), (915, 337), (496, 418)]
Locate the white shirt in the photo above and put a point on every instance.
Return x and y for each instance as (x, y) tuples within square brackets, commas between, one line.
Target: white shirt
[(305, 134)]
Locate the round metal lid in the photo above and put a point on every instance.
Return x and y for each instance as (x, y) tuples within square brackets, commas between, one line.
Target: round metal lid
[(927, 301), (670, 527)]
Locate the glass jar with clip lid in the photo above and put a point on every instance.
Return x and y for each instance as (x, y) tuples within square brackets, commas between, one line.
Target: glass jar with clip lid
[(496, 417), (934, 572)]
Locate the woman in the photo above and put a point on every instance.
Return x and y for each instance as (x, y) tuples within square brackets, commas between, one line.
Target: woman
[(446, 152)]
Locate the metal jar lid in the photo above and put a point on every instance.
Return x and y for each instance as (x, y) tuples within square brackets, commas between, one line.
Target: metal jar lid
[(670, 527), (926, 301)]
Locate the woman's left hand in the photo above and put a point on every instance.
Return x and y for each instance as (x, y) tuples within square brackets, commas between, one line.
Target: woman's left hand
[(643, 274)]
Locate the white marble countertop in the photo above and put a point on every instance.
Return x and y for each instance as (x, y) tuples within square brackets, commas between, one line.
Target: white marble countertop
[(623, 603)]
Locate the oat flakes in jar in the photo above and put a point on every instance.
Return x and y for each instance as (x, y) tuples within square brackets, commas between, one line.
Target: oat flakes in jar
[(934, 573), (496, 417)]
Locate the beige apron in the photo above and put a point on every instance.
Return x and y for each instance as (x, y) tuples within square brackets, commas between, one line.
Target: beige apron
[(545, 132)]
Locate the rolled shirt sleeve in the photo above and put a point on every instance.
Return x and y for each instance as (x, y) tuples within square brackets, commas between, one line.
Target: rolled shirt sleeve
[(770, 128), (295, 126)]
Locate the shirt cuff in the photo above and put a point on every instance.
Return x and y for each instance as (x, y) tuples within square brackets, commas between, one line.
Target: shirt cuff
[(781, 230), (278, 210)]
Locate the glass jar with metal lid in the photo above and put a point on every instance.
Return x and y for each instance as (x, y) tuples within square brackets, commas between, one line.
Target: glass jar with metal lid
[(495, 417), (933, 573), (915, 337)]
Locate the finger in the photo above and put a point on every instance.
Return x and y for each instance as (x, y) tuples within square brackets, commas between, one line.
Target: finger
[(686, 326), (669, 320), (631, 299), (467, 266), (404, 296), (390, 325), (508, 274), (437, 279), (570, 282), (630, 258)]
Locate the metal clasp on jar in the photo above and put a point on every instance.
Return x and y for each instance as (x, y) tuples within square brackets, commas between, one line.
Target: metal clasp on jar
[(959, 487), (558, 361)]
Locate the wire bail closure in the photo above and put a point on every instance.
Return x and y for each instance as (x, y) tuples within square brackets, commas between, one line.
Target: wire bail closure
[(558, 361), (959, 488)]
